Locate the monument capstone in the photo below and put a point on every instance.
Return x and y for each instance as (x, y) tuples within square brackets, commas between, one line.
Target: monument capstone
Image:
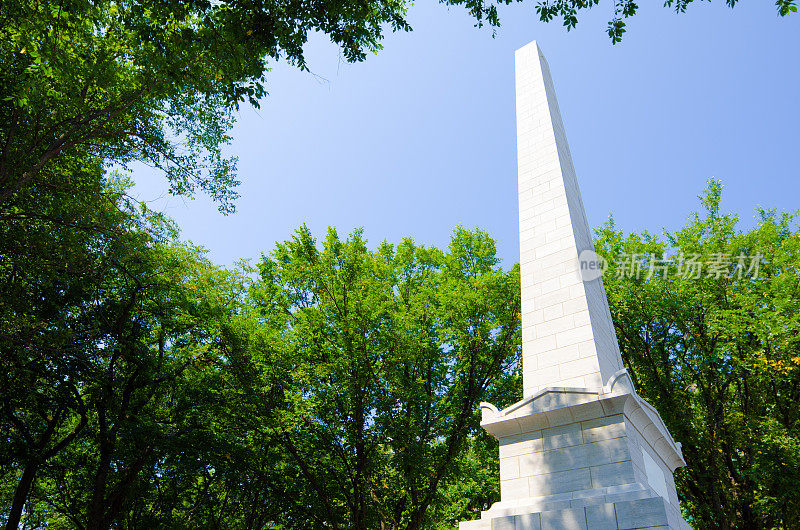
[(582, 450)]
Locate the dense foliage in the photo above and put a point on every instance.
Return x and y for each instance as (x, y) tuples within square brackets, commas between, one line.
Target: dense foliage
[(335, 385), (341, 389), (717, 351), (378, 362), (158, 81), (101, 321)]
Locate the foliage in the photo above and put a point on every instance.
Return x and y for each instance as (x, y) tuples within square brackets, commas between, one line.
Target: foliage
[(335, 385), (158, 81), (101, 322), (567, 11), (341, 391), (719, 356), (378, 362)]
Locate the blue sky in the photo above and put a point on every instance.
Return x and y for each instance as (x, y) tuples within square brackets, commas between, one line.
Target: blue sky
[(421, 137)]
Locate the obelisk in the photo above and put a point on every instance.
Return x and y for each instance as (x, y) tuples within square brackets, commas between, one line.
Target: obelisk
[(581, 450)]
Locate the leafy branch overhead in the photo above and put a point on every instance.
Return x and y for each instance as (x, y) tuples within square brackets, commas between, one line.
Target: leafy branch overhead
[(156, 82), (567, 11), (159, 81)]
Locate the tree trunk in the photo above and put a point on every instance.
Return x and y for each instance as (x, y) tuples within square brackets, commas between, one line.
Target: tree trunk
[(97, 508), (21, 495)]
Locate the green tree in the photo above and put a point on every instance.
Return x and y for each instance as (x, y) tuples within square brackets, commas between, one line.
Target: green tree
[(48, 260), (158, 81), (374, 363), (84, 285), (718, 355), (567, 11), (343, 391), (100, 321)]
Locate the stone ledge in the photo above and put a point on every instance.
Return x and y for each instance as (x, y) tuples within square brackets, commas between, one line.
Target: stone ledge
[(556, 406), (649, 513), (575, 499)]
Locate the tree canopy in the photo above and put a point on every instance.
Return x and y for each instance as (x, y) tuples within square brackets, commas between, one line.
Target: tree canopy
[(717, 351), (338, 388), (337, 385), (102, 314), (158, 81), (380, 359)]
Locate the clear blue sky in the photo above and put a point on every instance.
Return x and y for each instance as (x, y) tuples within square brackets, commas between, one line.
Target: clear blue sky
[(421, 137)]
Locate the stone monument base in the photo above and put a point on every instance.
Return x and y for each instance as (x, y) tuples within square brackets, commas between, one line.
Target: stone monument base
[(649, 513), (578, 458)]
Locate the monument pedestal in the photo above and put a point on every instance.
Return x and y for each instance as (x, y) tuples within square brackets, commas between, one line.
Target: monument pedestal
[(576, 458)]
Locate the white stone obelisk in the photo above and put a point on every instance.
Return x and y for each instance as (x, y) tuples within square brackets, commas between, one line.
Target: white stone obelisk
[(581, 450), (567, 333)]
